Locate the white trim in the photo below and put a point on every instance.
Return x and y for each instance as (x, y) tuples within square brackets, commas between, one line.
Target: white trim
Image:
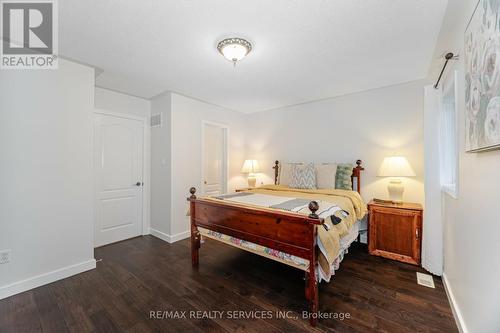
[(146, 165), (459, 319), (146, 179), (226, 154), (180, 236), (45, 278), (161, 235), (170, 238)]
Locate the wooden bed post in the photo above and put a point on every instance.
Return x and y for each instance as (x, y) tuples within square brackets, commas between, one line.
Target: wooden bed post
[(311, 281), (195, 234), (356, 173), (276, 168)]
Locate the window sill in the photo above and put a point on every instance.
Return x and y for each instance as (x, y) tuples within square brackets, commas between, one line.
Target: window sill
[(451, 190)]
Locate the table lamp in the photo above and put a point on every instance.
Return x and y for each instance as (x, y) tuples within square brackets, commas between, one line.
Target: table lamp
[(396, 167), (251, 167)]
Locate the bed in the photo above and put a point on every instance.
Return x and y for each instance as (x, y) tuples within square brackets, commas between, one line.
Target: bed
[(310, 230)]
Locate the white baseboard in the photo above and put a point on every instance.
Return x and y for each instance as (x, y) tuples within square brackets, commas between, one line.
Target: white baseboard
[(170, 238), (181, 236), (42, 279), (459, 319)]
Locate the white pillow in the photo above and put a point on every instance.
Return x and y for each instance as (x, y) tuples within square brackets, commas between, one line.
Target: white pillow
[(303, 176), (285, 175), (325, 175)]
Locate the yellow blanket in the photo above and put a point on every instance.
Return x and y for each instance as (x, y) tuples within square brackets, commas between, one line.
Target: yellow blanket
[(353, 201), (350, 201)]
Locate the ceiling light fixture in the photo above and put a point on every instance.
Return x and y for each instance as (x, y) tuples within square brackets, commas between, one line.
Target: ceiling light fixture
[(234, 49)]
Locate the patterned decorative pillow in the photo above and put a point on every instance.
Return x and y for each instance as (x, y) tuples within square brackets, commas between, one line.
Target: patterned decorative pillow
[(343, 176), (303, 176)]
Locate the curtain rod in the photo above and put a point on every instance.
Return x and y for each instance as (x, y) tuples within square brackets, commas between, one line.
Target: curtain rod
[(448, 56)]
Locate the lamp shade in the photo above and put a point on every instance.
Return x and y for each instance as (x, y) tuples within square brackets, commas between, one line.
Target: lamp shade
[(250, 166), (396, 166)]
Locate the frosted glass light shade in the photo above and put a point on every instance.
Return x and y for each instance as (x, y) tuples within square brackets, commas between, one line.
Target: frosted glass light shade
[(250, 166), (234, 52), (396, 166), (234, 49)]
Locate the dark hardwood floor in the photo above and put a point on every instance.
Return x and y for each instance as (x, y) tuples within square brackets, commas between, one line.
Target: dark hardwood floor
[(145, 274)]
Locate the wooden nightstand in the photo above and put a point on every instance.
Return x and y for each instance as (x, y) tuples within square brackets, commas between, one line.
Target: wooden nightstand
[(395, 231), (243, 189)]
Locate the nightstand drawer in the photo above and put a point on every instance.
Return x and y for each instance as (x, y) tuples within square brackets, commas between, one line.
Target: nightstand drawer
[(395, 232)]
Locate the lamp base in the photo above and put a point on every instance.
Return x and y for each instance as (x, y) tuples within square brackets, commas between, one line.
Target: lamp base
[(251, 181), (396, 190)]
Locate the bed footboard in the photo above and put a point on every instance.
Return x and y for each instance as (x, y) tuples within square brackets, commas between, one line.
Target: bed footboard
[(283, 231)]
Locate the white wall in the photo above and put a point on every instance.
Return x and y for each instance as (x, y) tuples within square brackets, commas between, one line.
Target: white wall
[(176, 158), (471, 223), (186, 124), (106, 99), (369, 126), (46, 202), (380, 122), (161, 156)]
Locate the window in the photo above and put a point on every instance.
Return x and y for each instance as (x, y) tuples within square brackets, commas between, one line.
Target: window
[(448, 145)]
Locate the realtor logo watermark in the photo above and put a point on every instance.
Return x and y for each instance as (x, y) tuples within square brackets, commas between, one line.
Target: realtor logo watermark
[(29, 34)]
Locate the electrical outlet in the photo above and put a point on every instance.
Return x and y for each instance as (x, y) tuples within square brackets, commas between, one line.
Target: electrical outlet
[(5, 256)]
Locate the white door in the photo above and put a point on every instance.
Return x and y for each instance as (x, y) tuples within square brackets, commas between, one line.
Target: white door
[(214, 159), (118, 164)]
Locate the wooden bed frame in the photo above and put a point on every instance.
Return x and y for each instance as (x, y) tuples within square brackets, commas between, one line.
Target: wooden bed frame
[(283, 231)]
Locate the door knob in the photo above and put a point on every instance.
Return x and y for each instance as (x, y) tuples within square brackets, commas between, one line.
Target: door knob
[(138, 184)]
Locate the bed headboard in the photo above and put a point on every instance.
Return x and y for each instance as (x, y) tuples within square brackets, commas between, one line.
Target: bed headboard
[(356, 174)]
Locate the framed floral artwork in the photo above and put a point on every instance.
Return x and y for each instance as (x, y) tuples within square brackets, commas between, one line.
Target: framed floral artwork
[(482, 77)]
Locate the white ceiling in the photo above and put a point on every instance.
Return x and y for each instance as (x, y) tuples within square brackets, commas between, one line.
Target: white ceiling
[(304, 50)]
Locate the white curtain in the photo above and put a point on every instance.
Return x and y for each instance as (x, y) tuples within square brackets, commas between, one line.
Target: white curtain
[(432, 241), (448, 136)]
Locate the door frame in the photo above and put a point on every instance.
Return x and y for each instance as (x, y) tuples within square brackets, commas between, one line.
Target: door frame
[(225, 178), (146, 168)]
